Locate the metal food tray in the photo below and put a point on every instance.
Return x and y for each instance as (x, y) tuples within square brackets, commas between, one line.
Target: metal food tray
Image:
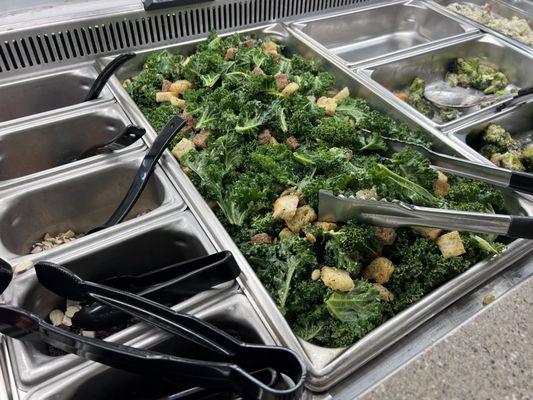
[(397, 73), (508, 9), (518, 120), (40, 148), (37, 95), (326, 366), (129, 250), (371, 33)]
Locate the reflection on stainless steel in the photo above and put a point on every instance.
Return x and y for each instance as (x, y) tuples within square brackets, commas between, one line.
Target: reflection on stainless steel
[(396, 75), (76, 200), (327, 366), (378, 31), (40, 93)]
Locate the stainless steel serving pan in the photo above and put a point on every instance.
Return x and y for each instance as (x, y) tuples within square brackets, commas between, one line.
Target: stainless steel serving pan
[(372, 33), (77, 200), (40, 148), (29, 96), (507, 9), (168, 237), (517, 120), (397, 73), (326, 366)]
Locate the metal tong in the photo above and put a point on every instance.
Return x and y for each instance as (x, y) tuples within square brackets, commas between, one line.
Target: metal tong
[(163, 285), (397, 213), (492, 175), (234, 364)]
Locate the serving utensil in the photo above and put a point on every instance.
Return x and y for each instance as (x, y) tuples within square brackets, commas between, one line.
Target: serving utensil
[(444, 95), (504, 178), (6, 274), (144, 172), (394, 214), (106, 73), (163, 285)]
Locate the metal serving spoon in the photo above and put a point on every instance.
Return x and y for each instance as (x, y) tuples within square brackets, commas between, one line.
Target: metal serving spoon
[(442, 94)]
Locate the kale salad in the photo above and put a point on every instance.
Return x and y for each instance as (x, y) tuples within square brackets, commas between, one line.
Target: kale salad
[(265, 132)]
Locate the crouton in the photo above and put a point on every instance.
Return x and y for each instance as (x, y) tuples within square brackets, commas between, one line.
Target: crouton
[(249, 43), (311, 98), (293, 143), (430, 233), (441, 187), (285, 233), (310, 237), (264, 136), (366, 194), (379, 270), (282, 81), (165, 86), (270, 47), (345, 92), (315, 275), (200, 139), (303, 216), (180, 86), (384, 293), (257, 71), (451, 245), (161, 97), (230, 54), (337, 279), (326, 226), (386, 236), (290, 89), (328, 104), (285, 207), (261, 238), (182, 148), (177, 102)]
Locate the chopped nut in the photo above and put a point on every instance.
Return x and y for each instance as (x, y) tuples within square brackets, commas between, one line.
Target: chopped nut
[(328, 104), (230, 54), (303, 216), (261, 238), (290, 89), (337, 279), (326, 226), (66, 321), (488, 299), (257, 71), (180, 86), (182, 148), (177, 102), (345, 92), (441, 187), (282, 80), (315, 275), (285, 207), (293, 142), (310, 237), (386, 236), (264, 136), (165, 86), (430, 233), (380, 270), (71, 310), (163, 96), (56, 317), (22, 267), (249, 43), (450, 244), (285, 233), (90, 334), (384, 293), (201, 138)]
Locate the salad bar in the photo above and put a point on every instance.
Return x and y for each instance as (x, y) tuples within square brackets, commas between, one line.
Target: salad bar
[(309, 187)]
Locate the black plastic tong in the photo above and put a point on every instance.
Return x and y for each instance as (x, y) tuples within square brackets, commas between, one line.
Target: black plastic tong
[(235, 362), (106, 73), (163, 285)]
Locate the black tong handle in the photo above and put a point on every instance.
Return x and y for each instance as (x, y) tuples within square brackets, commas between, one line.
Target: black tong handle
[(106, 73), (165, 284), (144, 172), (521, 181)]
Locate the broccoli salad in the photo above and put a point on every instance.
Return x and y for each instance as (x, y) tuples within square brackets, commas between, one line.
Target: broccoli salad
[(504, 151), (467, 73), (515, 28), (265, 132)]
